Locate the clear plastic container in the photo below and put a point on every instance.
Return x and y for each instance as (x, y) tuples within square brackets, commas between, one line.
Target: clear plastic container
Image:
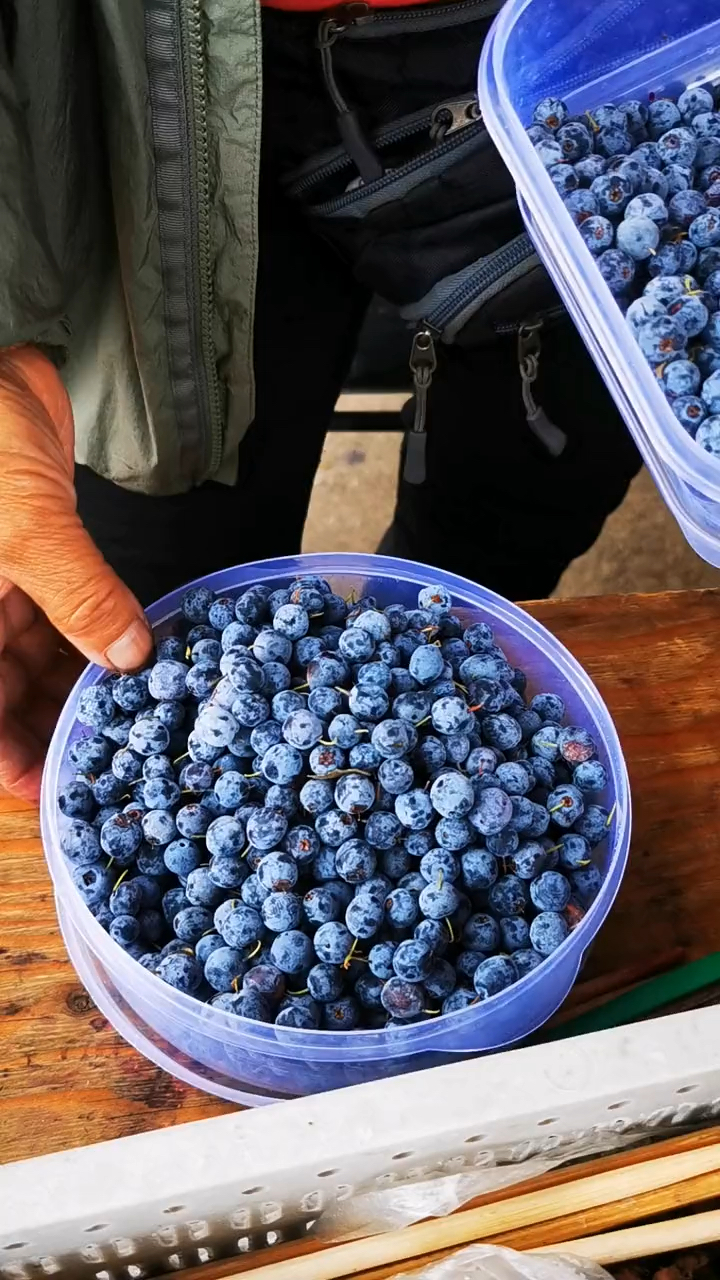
[(588, 52), (250, 1062)]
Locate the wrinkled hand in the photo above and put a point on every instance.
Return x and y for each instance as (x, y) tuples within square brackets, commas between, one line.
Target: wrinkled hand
[(57, 593)]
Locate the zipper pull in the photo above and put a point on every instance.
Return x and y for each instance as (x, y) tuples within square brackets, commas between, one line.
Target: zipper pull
[(351, 131), (451, 116), (423, 363), (529, 349)]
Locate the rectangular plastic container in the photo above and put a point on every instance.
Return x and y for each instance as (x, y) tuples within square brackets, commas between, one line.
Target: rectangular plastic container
[(589, 52)]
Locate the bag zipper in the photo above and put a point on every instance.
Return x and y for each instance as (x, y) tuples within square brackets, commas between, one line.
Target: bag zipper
[(487, 278), (438, 123), (357, 20), (457, 139), (198, 194)]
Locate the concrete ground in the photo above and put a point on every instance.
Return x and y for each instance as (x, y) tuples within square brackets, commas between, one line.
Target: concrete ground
[(640, 549)]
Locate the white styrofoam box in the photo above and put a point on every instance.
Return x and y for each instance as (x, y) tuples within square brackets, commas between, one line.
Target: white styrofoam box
[(181, 1196)]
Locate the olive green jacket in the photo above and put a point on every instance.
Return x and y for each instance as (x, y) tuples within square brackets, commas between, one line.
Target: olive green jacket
[(129, 137)]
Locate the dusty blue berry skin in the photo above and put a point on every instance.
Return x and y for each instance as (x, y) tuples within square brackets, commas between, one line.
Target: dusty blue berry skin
[(494, 975), (304, 806), (547, 932)]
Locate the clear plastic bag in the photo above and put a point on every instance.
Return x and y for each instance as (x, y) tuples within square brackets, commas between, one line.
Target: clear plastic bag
[(440, 1192), (485, 1262)]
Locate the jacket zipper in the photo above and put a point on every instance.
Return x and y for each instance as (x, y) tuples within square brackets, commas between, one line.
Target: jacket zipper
[(198, 196)]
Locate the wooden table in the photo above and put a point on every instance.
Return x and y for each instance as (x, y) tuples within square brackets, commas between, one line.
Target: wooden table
[(66, 1078)]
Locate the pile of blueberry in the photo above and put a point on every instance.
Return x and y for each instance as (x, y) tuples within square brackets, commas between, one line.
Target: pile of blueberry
[(642, 183), (325, 814)]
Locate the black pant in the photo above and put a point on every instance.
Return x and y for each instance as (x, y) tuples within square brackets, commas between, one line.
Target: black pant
[(495, 506)]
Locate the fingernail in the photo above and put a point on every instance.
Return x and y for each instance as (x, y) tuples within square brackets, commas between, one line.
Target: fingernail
[(131, 649)]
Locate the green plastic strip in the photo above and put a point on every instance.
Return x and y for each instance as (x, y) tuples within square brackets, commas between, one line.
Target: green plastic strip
[(643, 1000)]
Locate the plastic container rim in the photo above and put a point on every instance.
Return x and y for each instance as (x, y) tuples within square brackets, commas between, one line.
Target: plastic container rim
[(223, 1026)]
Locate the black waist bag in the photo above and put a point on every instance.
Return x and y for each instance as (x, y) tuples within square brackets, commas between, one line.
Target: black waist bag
[(419, 202)]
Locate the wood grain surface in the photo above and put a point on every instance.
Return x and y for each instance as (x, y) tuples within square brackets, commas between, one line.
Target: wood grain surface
[(66, 1078)]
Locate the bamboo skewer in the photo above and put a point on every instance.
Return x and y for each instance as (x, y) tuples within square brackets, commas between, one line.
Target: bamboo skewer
[(636, 1242), (579, 1225), (492, 1220), (238, 1265)]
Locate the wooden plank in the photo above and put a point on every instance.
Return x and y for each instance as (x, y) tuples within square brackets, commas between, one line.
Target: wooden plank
[(66, 1078)]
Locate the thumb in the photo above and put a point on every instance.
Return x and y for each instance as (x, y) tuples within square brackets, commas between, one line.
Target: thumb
[(84, 598)]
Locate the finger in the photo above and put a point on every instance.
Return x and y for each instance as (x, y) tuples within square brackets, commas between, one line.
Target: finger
[(57, 681), (36, 648), (41, 717), (21, 761), (85, 601), (13, 683)]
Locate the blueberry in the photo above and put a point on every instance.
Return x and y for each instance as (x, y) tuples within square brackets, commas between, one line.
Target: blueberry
[(663, 114), (575, 141), (402, 909), (325, 983), (414, 809), (704, 231), (638, 237), (479, 869), (191, 923), (120, 837), (181, 971), (298, 1015), (224, 969), (396, 776), (96, 706), (708, 435), (437, 902), (617, 269), (547, 931), (613, 192), (529, 860), (170, 647), (550, 112), (681, 378), (402, 1000), (492, 811), (494, 975), (507, 897), (76, 800), (589, 168), (355, 861), (266, 980), (93, 883), (266, 828), (354, 794), (248, 709), (324, 703), (89, 755), (277, 872), (574, 850), (238, 924), (282, 911), (413, 960), (333, 942), (326, 761), (364, 915), (451, 794)]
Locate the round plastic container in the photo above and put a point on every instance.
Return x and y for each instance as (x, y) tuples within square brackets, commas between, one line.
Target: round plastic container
[(588, 53), (251, 1062)]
